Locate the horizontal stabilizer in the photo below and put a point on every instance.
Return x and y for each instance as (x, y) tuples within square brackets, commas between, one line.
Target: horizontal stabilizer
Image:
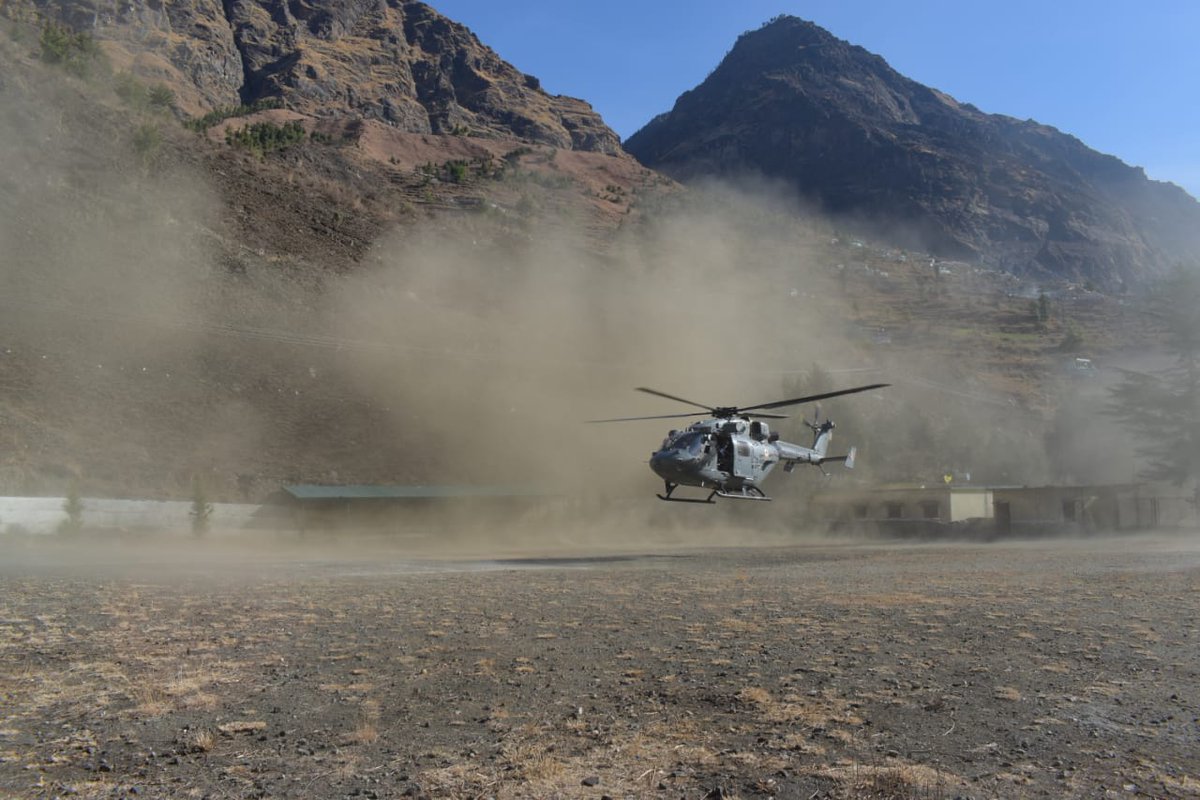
[(848, 458)]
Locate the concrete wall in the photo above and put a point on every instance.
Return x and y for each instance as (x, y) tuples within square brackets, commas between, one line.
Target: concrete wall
[(1031, 511), (1154, 507), (43, 515), (970, 504), (1042, 504), (953, 504)]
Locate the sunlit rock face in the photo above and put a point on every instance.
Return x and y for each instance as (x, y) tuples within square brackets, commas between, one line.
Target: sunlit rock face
[(392, 60)]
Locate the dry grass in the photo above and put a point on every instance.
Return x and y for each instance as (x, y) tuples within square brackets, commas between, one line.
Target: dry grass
[(801, 743), (636, 762), (814, 711), (531, 763), (524, 769), (758, 696), (479, 713), (202, 741), (888, 782), (367, 731), (1007, 693), (460, 781), (1183, 784)]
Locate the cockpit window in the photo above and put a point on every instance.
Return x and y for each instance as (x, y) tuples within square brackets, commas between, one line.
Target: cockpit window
[(690, 442)]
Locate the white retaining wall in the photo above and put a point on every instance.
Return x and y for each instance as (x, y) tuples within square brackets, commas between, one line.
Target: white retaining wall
[(45, 514)]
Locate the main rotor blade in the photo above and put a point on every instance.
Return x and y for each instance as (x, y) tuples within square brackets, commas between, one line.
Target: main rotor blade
[(673, 397), (660, 416), (683, 416), (810, 398)]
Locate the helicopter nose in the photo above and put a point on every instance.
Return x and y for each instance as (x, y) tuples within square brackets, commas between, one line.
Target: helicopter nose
[(660, 462), (669, 463)]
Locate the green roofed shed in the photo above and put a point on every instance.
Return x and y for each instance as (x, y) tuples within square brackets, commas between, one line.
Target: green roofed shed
[(366, 506), (311, 491)]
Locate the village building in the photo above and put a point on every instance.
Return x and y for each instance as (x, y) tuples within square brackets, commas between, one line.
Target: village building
[(949, 510)]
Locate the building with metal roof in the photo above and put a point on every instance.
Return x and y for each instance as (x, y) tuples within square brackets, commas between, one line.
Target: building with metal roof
[(305, 492), (362, 506), (953, 510)]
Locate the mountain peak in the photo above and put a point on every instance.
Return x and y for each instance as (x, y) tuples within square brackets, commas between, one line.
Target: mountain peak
[(790, 42), (786, 30), (793, 102)]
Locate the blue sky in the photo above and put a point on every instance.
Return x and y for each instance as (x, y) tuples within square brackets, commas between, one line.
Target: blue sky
[(1122, 75)]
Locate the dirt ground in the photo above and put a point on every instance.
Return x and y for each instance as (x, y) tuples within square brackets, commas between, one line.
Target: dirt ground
[(1047, 669)]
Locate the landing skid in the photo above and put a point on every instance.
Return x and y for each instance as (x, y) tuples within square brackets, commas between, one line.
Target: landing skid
[(745, 493), (673, 486)]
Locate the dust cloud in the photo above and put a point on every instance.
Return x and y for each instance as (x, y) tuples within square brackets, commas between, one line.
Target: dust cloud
[(460, 351), (501, 349), (106, 257)]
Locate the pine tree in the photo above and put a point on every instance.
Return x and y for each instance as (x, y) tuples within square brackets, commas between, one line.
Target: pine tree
[(201, 509), (73, 508)]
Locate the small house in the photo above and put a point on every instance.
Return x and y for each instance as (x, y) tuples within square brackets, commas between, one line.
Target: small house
[(987, 511)]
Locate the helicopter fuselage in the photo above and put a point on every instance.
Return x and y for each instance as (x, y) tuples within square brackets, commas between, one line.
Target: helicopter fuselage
[(730, 455)]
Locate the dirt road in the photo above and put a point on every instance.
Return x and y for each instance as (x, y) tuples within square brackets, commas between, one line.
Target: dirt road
[(1057, 669)]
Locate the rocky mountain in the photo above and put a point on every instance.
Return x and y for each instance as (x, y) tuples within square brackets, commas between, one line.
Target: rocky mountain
[(281, 293), (792, 102), (397, 61)]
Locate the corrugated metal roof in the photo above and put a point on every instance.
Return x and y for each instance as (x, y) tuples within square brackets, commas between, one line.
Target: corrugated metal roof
[(310, 491)]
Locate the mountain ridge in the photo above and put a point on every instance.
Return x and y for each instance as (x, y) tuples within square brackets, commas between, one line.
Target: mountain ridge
[(791, 101), (398, 61)]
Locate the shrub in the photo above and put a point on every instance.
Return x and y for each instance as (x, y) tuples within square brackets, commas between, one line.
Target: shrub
[(130, 90), (146, 141), (512, 157), (266, 137), (456, 171), (73, 50), (73, 508), (1073, 339), (201, 124), (201, 509), (160, 97)]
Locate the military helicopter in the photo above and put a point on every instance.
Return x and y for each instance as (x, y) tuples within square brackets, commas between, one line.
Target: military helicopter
[(733, 452)]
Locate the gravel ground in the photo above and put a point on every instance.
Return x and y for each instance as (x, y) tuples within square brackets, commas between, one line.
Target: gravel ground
[(1047, 669)]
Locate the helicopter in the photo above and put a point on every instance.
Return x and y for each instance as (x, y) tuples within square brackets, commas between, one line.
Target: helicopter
[(733, 451)]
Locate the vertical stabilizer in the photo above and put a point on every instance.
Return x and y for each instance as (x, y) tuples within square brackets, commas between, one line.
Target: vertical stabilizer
[(824, 433)]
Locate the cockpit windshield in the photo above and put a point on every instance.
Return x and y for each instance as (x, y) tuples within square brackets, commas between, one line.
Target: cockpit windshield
[(689, 443)]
